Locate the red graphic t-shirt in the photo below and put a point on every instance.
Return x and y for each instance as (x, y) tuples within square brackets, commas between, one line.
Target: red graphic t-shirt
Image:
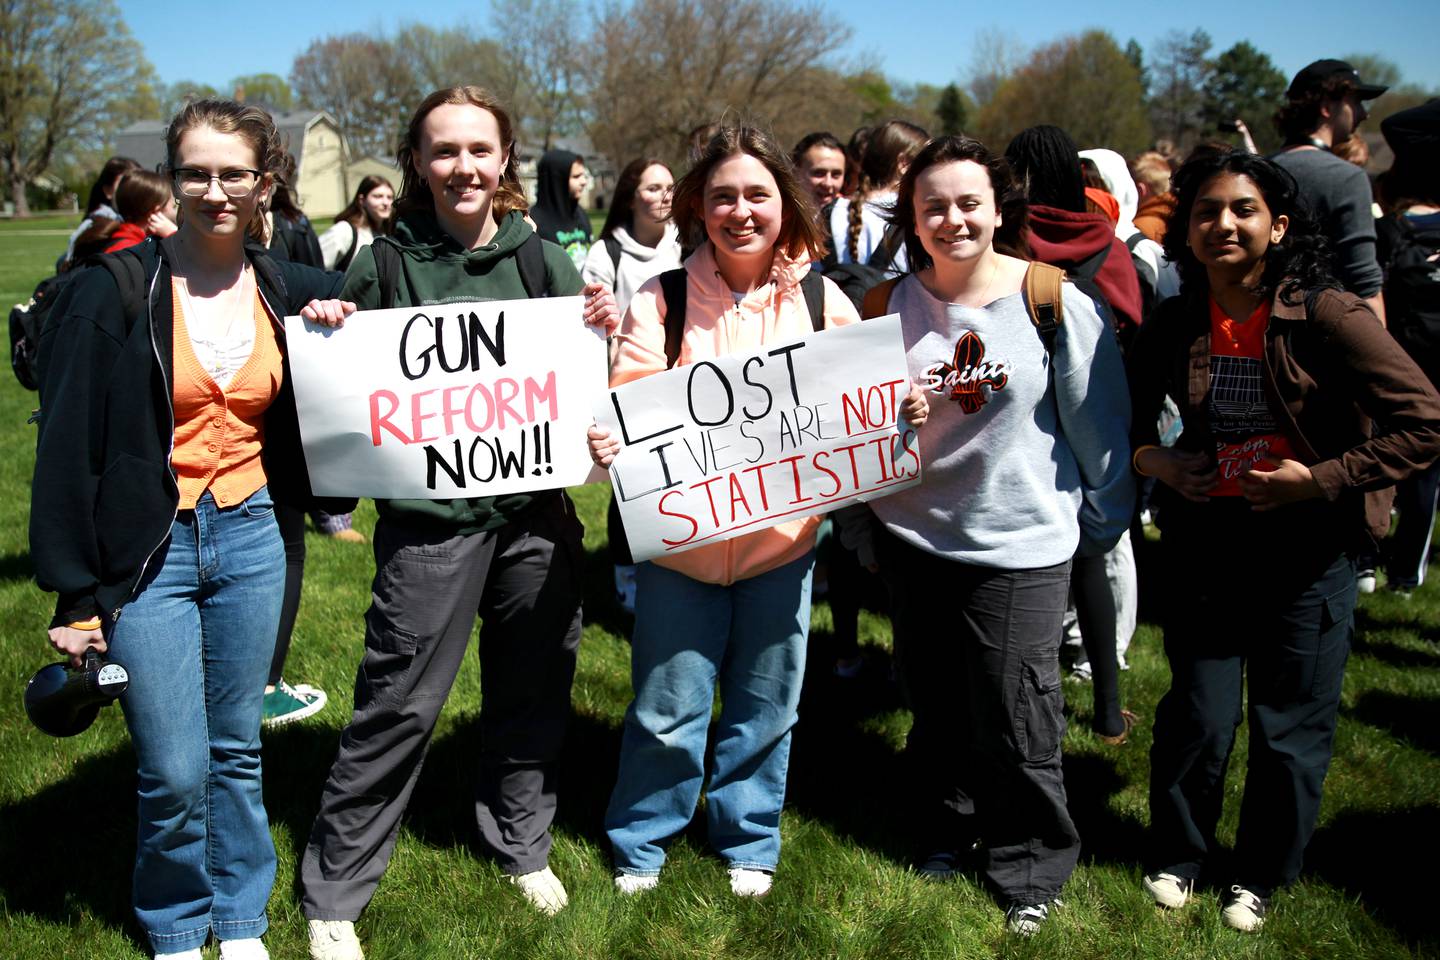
[(1246, 436)]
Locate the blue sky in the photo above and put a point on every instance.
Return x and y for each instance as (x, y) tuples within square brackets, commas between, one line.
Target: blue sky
[(930, 40)]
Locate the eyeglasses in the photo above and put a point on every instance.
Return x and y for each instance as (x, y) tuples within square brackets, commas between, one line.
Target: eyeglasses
[(237, 184)]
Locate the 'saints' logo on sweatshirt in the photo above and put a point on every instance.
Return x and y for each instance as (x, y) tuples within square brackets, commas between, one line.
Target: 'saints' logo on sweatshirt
[(969, 379)]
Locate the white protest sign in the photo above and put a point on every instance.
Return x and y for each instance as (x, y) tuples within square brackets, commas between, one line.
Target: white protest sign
[(720, 448), (451, 400)]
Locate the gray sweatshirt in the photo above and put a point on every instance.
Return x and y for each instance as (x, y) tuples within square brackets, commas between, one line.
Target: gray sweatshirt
[(1019, 466), (1339, 196)]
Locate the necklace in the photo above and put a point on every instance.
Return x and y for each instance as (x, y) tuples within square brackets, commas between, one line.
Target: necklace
[(985, 293)]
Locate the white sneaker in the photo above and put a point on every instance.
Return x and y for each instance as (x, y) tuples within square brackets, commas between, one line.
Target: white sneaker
[(191, 954), (1365, 581), (628, 884), (249, 948), (749, 883), (1168, 890), (543, 889), (1244, 910), (334, 940)]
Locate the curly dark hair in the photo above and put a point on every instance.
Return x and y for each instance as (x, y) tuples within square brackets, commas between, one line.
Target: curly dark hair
[(1299, 262), (1009, 198)]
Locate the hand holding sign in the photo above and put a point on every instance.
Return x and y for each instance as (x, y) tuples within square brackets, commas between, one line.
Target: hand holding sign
[(722, 447)]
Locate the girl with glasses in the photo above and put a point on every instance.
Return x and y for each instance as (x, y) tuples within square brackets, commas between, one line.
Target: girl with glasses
[(168, 433)]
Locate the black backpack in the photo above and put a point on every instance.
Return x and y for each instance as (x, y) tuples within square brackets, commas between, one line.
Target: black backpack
[(529, 258), (855, 279), (1411, 256), (28, 320), (1145, 273)]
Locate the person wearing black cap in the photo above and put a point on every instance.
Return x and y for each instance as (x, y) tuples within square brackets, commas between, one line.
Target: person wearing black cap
[(1325, 106)]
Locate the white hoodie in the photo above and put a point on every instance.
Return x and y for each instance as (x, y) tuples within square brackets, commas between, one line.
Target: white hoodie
[(1116, 174), (638, 263)]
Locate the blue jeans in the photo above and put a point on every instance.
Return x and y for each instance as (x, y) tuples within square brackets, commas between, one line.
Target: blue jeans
[(750, 636), (197, 639)]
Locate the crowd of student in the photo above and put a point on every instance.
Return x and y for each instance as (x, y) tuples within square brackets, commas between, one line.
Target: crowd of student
[(1086, 338)]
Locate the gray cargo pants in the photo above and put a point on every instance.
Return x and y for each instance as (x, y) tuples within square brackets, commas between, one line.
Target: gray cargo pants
[(524, 581)]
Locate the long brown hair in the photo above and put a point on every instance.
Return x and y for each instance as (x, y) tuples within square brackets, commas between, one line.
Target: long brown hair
[(1009, 198), (415, 194), (248, 122), (800, 232), (621, 213), (139, 193), (891, 145), (358, 215)]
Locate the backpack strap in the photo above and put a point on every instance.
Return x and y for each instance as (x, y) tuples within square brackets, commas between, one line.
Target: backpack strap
[(129, 274), (1135, 240), (883, 256), (1043, 301), (387, 270), (877, 299), (343, 263), (1087, 269), (530, 258), (812, 288), (673, 285), (612, 247)]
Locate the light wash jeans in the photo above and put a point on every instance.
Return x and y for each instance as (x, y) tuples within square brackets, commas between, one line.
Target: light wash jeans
[(750, 637), (197, 640)]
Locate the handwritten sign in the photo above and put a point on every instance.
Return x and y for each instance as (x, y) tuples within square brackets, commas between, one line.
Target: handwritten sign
[(452, 400), (720, 448)]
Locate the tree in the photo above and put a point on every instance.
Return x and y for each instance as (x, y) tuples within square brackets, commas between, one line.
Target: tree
[(176, 95), (1083, 84), (657, 68), (996, 56), (267, 89), (70, 75), (360, 81), (543, 50), (1245, 84), (1136, 56), (950, 112), (1179, 71)]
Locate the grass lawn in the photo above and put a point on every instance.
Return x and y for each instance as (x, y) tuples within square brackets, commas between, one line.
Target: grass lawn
[(845, 888)]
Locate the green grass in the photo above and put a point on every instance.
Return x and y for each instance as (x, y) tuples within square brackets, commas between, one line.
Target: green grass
[(844, 889)]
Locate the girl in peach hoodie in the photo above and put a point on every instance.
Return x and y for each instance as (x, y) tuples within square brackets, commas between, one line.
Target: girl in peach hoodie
[(735, 613)]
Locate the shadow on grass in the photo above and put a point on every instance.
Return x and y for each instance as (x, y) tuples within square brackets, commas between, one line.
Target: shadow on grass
[(1416, 719), (1375, 857), (16, 566), (69, 849), (1373, 638)]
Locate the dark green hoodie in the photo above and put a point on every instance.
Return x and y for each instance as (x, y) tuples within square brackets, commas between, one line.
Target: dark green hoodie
[(437, 269)]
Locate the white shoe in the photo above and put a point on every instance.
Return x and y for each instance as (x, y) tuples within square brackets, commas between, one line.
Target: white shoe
[(249, 948), (749, 883), (334, 940), (191, 954), (628, 884), (1365, 581), (543, 889), (1244, 910), (1168, 890)]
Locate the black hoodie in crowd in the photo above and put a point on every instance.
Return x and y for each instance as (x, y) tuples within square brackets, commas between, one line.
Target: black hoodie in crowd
[(558, 216)]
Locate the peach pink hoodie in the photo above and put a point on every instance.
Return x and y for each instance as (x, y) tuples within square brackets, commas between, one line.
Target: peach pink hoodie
[(716, 325)]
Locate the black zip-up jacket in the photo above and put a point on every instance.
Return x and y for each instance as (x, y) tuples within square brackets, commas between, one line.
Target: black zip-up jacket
[(104, 493)]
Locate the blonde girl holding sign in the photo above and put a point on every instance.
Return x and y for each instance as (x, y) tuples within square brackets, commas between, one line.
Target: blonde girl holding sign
[(737, 613)]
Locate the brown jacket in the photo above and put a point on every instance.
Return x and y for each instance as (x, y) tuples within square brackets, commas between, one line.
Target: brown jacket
[(1153, 215), (1330, 371)]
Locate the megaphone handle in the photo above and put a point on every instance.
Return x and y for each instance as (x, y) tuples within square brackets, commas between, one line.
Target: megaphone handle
[(92, 660)]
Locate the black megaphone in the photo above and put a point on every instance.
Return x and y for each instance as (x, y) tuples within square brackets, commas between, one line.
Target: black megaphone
[(63, 701)]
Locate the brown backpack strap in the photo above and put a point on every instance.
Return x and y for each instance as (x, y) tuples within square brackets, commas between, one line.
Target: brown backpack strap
[(1042, 301), (877, 299)]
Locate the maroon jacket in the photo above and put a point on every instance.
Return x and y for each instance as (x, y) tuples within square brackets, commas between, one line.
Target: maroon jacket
[(1330, 372), (1066, 239)]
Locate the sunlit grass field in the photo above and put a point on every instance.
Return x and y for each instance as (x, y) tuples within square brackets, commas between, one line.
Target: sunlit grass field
[(845, 888)]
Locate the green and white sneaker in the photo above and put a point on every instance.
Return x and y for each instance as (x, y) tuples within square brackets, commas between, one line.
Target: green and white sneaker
[(286, 704)]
